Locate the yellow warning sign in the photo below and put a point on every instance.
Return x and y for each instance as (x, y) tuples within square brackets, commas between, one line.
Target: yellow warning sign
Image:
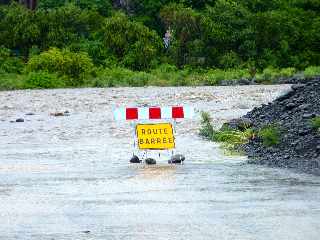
[(155, 136)]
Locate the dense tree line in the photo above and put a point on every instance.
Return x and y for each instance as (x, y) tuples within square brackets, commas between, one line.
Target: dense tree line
[(204, 33)]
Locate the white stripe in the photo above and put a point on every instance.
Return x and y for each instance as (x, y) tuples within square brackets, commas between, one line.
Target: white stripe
[(166, 112), (120, 114), (143, 113), (188, 112)]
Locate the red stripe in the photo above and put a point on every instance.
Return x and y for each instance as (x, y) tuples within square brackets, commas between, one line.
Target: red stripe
[(155, 113), (177, 112), (131, 113)]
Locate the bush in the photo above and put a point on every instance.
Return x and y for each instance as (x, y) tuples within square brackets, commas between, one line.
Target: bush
[(76, 66), (133, 44), (206, 129), (288, 72), (66, 25), (11, 81), (315, 123), (312, 71), (115, 77), (102, 6), (214, 77), (270, 135), (43, 80), (19, 28), (270, 74), (169, 75), (9, 63)]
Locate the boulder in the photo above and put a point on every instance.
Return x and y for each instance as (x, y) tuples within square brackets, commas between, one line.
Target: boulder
[(135, 159), (176, 159), (19, 120), (150, 161)]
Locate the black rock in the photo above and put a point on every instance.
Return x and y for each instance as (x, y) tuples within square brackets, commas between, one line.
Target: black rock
[(176, 159), (239, 124), (135, 159), (299, 147), (19, 120), (297, 86), (290, 106), (150, 161), (308, 115)]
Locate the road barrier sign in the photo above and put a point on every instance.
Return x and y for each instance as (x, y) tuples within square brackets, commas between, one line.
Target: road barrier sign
[(153, 113), (155, 136)]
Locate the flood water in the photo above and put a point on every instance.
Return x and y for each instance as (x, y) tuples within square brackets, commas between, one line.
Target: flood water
[(69, 177)]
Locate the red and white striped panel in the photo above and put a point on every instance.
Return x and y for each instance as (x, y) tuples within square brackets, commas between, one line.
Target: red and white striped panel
[(153, 113)]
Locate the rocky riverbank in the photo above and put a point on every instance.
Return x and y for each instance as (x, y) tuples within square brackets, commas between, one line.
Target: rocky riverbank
[(299, 140)]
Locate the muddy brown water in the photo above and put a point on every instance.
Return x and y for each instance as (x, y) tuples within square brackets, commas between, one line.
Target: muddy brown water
[(69, 177)]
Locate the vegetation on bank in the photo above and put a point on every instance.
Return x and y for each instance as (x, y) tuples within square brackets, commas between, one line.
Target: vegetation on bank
[(108, 43), (270, 135), (232, 139), (315, 123)]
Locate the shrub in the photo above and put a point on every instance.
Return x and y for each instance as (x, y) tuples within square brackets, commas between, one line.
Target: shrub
[(312, 71), (115, 77), (206, 129), (11, 81), (102, 6), (19, 28), (270, 74), (43, 80), (135, 45), (230, 60), (214, 77), (170, 75), (76, 66), (270, 135), (66, 25), (315, 123), (231, 139), (288, 72), (9, 63)]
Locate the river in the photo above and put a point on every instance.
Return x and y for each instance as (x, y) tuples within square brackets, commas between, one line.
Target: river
[(69, 178)]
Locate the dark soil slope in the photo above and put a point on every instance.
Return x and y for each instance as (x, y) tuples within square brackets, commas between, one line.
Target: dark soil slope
[(299, 145)]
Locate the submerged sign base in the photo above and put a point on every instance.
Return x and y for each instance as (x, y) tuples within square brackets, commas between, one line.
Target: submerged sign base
[(155, 136)]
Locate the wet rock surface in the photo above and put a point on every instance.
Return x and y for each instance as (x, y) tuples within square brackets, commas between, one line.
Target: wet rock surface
[(299, 145)]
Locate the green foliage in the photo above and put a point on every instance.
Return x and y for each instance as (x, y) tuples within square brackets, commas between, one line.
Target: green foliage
[(170, 75), (270, 135), (11, 81), (9, 63), (133, 44), (19, 28), (206, 129), (288, 72), (315, 123), (43, 80), (66, 25), (214, 77), (231, 139), (104, 7), (270, 74), (76, 66), (115, 77), (312, 71), (272, 39)]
